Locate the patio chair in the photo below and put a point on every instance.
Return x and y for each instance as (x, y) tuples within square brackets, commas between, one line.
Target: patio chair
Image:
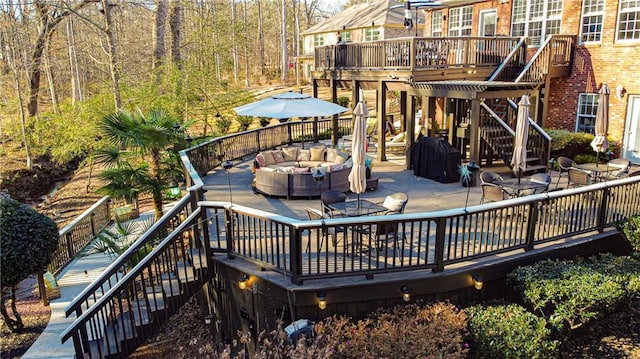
[(578, 177), (315, 214), (330, 197), (543, 178), (385, 233), (489, 177), (564, 163), (621, 166), (493, 193)]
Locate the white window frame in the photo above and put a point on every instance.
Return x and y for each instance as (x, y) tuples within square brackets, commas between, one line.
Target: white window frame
[(537, 18), (436, 23), (345, 36), (460, 21), (318, 40), (587, 109), (592, 16), (628, 10), (372, 34)]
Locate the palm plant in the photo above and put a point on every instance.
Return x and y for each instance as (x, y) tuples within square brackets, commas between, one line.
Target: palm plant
[(115, 241), (143, 154)]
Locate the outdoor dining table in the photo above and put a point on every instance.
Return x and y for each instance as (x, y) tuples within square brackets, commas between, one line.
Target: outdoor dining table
[(357, 208), (598, 170), (517, 186)]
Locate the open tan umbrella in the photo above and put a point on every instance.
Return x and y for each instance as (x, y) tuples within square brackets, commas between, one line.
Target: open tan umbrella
[(357, 177), (600, 142), (519, 158)]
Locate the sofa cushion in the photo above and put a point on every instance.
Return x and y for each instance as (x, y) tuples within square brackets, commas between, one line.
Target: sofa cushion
[(349, 162), (332, 153), (317, 153), (301, 170), (335, 167), (277, 156), (311, 163), (340, 159), (260, 160), (392, 204), (304, 155), (268, 169), (290, 154), (268, 158)]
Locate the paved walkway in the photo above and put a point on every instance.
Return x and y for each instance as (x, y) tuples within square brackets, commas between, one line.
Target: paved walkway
[(72, 280)]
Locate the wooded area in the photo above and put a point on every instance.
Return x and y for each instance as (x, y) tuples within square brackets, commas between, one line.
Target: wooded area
[(67, 63)]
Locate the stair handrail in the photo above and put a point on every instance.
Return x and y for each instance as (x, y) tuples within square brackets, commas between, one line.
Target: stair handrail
[(118, 286), (498, 119), (120, 262), (521, 46)]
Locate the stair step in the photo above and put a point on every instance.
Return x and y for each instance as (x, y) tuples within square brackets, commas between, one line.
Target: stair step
[(155, 297), (171, 287), (140, 315), (198, 258), (186, 273)]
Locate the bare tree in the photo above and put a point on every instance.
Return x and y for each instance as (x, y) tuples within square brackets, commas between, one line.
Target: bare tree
[(234, 41), (76, 89), (246, 43), (175, 21), (284, 76), (50, 80), (260, 39), (159, 51), (111, 52)]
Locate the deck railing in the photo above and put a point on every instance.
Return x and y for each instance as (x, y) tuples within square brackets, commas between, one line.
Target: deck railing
[(79, 232), (125, 262), (556, 51), (304, 250), (416, 53)]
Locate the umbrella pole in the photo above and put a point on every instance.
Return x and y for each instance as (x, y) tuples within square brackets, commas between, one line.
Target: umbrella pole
[(519, 174), (358, 199), (597, 158)]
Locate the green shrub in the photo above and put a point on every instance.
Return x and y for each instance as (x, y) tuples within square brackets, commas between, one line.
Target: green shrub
[(343, 101), (508, 331), (584, 158), (567, 293), (631, 231)]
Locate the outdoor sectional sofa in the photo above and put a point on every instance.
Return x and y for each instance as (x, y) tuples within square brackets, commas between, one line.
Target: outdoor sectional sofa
[(288, 172)]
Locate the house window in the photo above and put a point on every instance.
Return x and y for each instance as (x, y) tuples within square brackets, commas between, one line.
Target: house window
[(592, 17), (536, 19), (587, 108), (436, 23), (372, 34), (318, 40), (460, 20), (345, 36), (628, 21)]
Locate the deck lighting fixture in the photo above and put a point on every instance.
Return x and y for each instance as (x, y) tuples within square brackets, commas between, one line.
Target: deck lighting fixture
[(477, 282), (322, 301), (406, 295), (174, 189), (242, 284)]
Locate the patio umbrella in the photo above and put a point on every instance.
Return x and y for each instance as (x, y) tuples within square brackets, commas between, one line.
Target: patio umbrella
[(600, 143), (290, 104), (357, 177), (519, 159)]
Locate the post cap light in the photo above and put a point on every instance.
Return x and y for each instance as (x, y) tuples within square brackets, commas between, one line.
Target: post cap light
[(322, 301), (243, 282), (477, 282), (227, 165), (406, 296), (174, 189)]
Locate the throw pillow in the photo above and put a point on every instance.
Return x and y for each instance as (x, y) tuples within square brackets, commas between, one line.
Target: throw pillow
[(290, 154), (392, 204), (304, 155), (277, 156), (268, 158), (267, 169), (340, 159), (260, 160), (317, 153), (331, 154), (349, 162)]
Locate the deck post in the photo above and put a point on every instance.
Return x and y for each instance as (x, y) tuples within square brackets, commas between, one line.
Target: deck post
[(296, 255), (381, 105), (441, 224), (602, 211)]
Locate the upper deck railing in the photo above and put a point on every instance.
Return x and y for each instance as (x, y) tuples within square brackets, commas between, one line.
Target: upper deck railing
[(416, 53)]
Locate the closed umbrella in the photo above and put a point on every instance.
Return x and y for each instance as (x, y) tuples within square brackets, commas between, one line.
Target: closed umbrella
[(519, 159), (600, 142), (357, 177), (290, 104)]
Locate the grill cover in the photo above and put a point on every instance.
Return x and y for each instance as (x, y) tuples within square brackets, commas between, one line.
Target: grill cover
[(436, 159)]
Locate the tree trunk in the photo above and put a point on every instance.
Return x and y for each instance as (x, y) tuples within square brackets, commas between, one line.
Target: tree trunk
[(175, 21), (296, 36), (260, 39), (50, 79), (215, 44), (246, 44), (234, 42), (155, 173), (111, 52), (15, 325), (76, 89), (283, 41), (159, 51)]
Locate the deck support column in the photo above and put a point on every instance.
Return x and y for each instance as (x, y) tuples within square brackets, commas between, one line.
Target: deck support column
[(381, 99), (474, 135), (409, 106), (334, 118)]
